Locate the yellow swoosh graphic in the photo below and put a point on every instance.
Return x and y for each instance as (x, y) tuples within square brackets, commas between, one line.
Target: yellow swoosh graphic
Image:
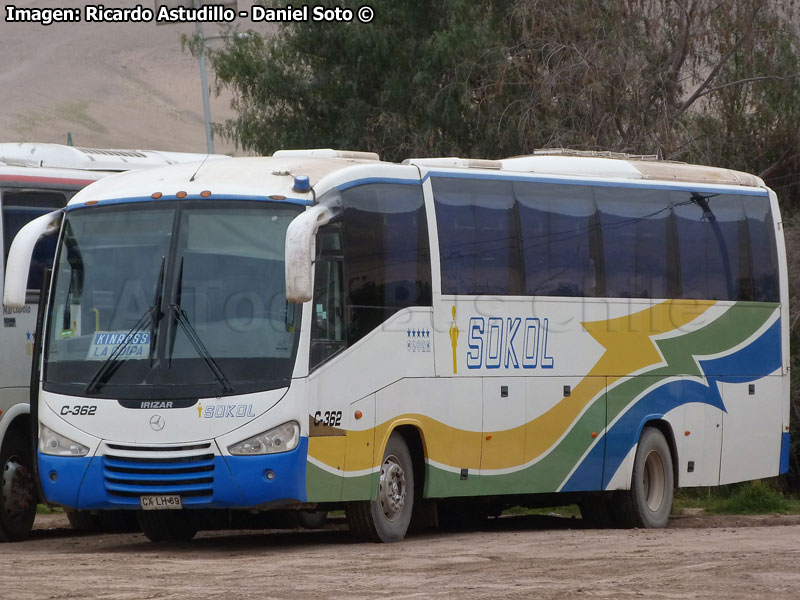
[(628, 349)]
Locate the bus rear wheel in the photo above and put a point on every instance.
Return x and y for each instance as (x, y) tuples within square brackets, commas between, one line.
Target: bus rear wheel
[(167, 525), (648, 503), (17, 492), (386, 518)]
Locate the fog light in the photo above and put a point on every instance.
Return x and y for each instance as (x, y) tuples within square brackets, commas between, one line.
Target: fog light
[(269, 474), (53, 476)]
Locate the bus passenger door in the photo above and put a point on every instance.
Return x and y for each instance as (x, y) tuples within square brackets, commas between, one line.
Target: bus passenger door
[(503, 442), (329, 397)]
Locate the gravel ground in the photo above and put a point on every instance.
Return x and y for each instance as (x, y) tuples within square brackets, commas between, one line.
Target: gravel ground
[(521, 557)]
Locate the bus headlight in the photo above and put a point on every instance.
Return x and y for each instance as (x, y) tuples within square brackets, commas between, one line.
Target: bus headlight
[(278, 439), (53, 443)]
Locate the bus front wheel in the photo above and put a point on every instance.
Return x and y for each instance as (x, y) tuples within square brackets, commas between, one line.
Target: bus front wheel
[(17, 492), (386, 518), (648, 504)]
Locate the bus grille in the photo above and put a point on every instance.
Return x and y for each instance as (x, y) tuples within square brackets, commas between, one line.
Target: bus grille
[(133, 471)]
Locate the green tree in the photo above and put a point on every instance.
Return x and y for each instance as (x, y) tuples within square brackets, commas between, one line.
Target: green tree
[(699, 80), (383, 86)]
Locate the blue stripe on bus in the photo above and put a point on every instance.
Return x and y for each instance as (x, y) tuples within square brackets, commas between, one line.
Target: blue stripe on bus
[(638, 183), (366, 180), (223, 197), (784, 466), (759, 358)]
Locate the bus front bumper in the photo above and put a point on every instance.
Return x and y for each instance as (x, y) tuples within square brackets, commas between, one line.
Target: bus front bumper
[(203, 481)]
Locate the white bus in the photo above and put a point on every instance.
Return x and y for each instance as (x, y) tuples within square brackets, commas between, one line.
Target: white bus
[(321, 329), (36, 179)]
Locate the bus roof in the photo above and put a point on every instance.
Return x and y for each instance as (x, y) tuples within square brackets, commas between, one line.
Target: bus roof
[(601, 164), (91, 159), (256, 177), (243, 177)]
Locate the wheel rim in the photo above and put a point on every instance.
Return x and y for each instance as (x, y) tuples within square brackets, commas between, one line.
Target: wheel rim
[(654, 481), (16, 488), (392, 488)]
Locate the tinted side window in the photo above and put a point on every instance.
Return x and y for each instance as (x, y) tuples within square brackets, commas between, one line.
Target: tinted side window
[(763, 250), (729, 214), (727, 247), (386, 254), (479, 243), (21, 207), (560, 240), (701, 259), (638, 244)]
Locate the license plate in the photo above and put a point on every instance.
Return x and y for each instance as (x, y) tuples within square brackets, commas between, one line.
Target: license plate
[(163, 502)]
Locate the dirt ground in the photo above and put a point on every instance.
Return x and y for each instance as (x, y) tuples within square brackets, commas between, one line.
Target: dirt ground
[(520, 557)]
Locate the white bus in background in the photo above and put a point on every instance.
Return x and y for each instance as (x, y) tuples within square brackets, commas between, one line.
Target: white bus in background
[(323, 330), (36, 179)]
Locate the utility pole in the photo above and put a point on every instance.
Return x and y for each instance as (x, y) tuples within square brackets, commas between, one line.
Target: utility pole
[(197, 4), (204, 82)]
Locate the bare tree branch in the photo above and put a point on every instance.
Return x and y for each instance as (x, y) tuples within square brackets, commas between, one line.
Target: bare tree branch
[(787, 156), (714, 72), (716, 88)]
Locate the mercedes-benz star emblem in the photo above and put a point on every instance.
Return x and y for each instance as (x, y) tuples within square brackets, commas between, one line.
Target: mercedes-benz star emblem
[(157, 423)]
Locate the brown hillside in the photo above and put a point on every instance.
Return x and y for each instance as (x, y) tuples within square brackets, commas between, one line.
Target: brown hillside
[(123, 85)]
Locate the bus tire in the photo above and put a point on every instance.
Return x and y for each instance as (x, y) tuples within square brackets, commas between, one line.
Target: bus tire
[(648, 503), (386, 518), (167, 525), (17, 491)]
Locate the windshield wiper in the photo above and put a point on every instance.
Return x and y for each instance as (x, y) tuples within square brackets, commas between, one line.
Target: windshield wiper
[(156, 310), (183, 320), (113, 361), (153, 314)]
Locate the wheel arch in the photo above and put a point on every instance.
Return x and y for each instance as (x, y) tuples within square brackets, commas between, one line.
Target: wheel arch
[(413, 437), (16, 418)]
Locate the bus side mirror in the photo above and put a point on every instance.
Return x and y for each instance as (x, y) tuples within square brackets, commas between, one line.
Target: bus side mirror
[(20, 253), (301, 238)]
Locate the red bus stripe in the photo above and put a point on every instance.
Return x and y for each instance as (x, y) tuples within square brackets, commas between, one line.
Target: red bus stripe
[(40, 179)]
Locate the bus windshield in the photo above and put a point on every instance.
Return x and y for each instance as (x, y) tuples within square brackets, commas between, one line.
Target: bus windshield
[(185, 299)]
